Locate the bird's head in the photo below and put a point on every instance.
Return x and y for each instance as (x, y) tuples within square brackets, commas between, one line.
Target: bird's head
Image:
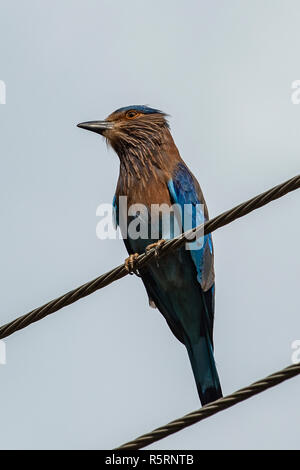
[(130, 127)]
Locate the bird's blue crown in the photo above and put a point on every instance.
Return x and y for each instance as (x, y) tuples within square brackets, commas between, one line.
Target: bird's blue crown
[(140, 108)]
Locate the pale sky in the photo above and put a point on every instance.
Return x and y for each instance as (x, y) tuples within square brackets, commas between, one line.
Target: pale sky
[(107, 368)]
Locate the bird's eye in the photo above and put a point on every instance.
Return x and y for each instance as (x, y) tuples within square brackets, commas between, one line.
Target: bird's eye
[(131, 114)]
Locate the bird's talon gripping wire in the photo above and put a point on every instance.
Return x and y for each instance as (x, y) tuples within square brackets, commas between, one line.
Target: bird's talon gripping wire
[(130, 263), (157, 246)]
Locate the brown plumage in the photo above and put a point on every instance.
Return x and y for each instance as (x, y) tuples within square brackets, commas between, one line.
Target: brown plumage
[(147, 154)]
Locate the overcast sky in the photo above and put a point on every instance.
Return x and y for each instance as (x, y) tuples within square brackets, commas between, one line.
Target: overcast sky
[(107, 368)]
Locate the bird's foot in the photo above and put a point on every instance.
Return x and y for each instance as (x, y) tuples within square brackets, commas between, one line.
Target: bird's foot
[(157, 246), (130, 264)]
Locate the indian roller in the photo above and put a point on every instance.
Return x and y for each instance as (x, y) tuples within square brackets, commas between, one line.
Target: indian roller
[(182, 283)]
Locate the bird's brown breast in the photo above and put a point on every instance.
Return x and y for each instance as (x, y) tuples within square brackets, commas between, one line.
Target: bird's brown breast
[(141, 191)]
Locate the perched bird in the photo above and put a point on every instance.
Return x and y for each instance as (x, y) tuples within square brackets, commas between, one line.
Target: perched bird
[(181, 286)]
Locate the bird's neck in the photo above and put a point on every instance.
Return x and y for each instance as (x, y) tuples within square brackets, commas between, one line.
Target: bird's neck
[(147, 158)]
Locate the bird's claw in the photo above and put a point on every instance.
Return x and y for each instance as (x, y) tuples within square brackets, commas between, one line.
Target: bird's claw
[(157, 246), (130, 263)]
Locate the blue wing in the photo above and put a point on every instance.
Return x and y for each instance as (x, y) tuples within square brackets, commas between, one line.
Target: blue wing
[(115, 212), (185, 191)]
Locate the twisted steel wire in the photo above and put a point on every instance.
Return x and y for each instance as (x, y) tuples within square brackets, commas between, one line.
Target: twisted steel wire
[(121, 271), (212, 408)]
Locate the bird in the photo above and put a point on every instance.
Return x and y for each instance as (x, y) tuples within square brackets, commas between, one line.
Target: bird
[(181, 285)]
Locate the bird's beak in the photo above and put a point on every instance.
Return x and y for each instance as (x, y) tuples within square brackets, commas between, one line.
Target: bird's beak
[(96, 126)]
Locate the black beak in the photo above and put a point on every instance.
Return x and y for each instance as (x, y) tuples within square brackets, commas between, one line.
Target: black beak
[(96, 126)]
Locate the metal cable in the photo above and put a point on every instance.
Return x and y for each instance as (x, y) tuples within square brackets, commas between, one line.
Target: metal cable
[(212, 408), (120, 272)]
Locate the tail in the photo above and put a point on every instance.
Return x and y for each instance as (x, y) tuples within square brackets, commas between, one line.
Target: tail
[(204, 368)]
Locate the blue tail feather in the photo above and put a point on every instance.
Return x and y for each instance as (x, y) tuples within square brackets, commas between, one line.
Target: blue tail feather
[(204, 368)]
